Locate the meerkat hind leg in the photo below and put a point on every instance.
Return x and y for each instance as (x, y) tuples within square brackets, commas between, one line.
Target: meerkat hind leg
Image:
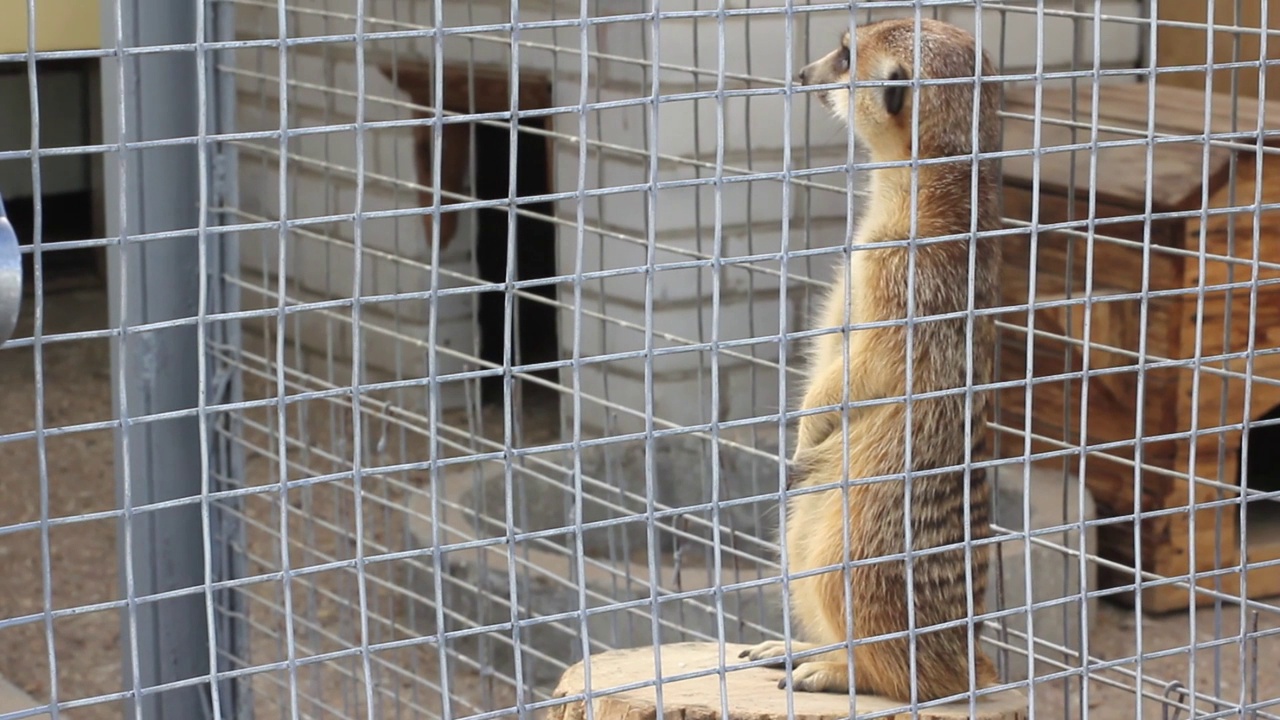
[(777, 651)]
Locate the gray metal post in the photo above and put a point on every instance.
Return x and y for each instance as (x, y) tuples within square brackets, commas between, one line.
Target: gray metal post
[(156, 371), (225, 379)]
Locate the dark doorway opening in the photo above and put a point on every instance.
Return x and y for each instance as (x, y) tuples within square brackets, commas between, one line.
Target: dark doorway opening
[(67, 216), (534, 333), (67, 90), (1263, 474)]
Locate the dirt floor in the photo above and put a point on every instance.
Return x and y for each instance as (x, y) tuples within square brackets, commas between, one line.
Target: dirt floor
[(86, 647)]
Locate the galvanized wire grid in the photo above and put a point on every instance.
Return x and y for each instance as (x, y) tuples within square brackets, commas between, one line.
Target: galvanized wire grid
[(315, 476)]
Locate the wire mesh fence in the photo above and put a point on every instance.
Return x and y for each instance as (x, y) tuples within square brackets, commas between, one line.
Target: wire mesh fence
[(429, 348)]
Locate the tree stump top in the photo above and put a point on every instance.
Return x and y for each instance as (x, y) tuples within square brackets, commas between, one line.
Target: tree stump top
[(752, 693)]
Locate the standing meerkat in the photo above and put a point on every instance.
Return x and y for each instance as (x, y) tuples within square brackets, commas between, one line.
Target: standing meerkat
[(876, 437)]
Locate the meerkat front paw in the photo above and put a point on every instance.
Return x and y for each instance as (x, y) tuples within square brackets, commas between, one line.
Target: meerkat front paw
[(777, 650), (819, 677), (814, 429)]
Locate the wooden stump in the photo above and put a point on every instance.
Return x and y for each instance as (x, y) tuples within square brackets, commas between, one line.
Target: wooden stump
[(753, 693)]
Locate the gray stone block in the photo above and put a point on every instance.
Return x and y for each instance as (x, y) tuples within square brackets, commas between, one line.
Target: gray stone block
[(1054, 574), (476, 587), (476, 596), (614, 487)]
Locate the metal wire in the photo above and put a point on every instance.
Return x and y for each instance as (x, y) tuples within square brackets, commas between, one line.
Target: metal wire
[(407, 506)]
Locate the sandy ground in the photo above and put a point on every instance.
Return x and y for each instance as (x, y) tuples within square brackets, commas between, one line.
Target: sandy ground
[(86, 648)]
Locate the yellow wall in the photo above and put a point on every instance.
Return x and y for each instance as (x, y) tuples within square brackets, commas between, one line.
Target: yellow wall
[(60, 25)]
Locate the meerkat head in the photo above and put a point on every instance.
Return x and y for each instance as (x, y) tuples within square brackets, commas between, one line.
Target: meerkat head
[(882, 114)]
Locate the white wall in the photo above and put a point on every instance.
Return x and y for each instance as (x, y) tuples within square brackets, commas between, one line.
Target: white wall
[(687, 128), (684, 217)]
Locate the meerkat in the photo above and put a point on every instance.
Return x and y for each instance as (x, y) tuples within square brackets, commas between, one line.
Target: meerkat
[(876, 434)]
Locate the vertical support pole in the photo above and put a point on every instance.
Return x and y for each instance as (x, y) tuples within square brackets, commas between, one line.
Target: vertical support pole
[(156, 371), (226, 381)]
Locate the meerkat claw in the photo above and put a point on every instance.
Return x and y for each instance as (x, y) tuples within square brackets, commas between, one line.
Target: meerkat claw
[(819, 677), (770, 649), (776, 651)]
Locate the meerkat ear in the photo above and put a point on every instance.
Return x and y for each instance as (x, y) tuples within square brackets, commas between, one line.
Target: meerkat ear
[(895, 96)]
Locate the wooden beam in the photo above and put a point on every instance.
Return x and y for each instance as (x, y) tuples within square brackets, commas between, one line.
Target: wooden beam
[(1177, 46), (470, 90)]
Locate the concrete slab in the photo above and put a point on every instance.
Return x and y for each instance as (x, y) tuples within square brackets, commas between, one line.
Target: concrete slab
[(556, 603), (1054, 500), (13, 699), (476, 586)]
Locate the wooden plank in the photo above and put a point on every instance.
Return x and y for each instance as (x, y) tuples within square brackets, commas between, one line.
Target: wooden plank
[(1214, 525), (1114, 323), (1180, 46), (1209, 466), (491, 85), (1178, 411), (1164, 547), (1114, 264), (1111, 482), (1122, 172), (1178, 110), (1172, 558), (1263, 582), (1221, 336), (1167, 542), (1213, 389), (1216, 538), (1218, 241)]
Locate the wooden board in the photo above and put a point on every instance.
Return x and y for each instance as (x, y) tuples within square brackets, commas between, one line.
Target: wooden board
[(1188, 43), (1179, 110), (1231, 235), (1214, 389), (1115, 264), (1178, 170), (1263, 584), (1167, 543), (1122, 171), (474, 89), (749, 693)]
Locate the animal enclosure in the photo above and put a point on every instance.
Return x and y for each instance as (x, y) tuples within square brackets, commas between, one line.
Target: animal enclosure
[(447, 345)]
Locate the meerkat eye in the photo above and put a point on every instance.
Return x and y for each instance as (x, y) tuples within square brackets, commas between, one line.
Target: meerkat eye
[(895, 95), (844, 59)]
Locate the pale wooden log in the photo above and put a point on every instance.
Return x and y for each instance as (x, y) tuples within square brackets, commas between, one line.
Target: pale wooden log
[(752, 693)]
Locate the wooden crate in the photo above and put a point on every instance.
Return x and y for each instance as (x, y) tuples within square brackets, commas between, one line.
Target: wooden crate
[(1118, 390)]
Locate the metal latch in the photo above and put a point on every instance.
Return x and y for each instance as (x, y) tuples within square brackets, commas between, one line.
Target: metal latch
[(10, 277)]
